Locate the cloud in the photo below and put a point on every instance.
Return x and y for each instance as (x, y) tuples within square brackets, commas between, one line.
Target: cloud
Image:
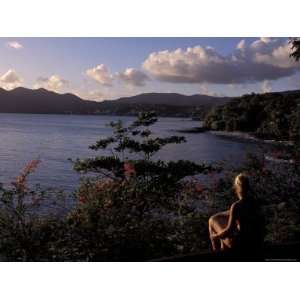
[(241, 45), (264, 59), (10, 80), (96, 95), (266, 87), (204, 90), (15, 45), (133, 77), (52, 83), (100, 74), (278, 57)]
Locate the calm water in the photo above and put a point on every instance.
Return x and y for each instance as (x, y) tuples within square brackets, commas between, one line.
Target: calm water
[(55, 138)]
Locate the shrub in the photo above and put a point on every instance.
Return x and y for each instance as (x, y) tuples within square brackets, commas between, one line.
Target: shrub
[(135, 208), (27, 225), (276, 187)]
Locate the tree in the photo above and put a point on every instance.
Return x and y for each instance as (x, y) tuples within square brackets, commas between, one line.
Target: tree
[(295, 42), (296, 55), (138, 142), (138, 207)]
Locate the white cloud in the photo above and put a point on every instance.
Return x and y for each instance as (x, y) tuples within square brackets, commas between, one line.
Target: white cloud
[(264, 59), (15, 45), (53, 83), (241, 45), (278, 57), (204, 90), (104, 93), (266, 39), (96, 95), (100, 74), (266, 86), (133, 77), (10, 80)]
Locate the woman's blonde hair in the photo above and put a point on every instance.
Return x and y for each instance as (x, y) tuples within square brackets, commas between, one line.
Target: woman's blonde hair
[(241, 186)]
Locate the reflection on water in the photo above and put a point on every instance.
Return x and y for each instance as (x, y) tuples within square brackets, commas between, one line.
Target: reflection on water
[(55, 138)]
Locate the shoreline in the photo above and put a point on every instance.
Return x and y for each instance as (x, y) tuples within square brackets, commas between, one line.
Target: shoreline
[(237, 135), (248, 137)]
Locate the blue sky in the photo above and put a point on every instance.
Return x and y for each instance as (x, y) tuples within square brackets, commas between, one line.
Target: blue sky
[(95, 68)]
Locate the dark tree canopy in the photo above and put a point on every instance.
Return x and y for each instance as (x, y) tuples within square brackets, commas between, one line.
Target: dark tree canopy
[(135, 146), (295, 48), (270, 115)]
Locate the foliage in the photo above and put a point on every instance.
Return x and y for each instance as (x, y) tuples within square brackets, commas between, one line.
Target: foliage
[(115, 221), (270, 116), (141, 208), (276, 187), (295, 42), (26, 231), (136, 208), (140, 142)]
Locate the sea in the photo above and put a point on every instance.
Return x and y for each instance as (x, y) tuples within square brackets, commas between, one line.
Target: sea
[(57, 139)]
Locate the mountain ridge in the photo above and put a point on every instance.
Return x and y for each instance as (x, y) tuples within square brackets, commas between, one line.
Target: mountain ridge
[(24, 100), (43, 101), (172, 99)]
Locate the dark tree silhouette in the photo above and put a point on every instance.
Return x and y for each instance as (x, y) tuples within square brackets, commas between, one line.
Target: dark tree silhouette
[(295, 42), (138, 142)]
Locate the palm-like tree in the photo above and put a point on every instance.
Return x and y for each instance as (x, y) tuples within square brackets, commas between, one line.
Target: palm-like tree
[(295, 48)]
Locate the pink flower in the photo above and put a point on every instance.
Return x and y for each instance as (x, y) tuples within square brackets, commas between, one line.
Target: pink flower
[(21, 180), (129, 169), (199, 188), (82, 199)]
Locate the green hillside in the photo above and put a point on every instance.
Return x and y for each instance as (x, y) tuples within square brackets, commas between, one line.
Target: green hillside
[(270, 116)]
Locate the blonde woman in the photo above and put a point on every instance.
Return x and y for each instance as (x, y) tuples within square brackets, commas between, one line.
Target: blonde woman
[(238, 227)]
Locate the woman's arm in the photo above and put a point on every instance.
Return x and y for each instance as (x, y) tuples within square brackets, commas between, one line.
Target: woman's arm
[(231, 223)]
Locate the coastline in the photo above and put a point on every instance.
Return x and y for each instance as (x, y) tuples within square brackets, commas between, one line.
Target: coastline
[(248, 137)]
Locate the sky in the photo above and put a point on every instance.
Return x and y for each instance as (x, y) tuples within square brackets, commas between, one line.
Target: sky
[(109, 68)]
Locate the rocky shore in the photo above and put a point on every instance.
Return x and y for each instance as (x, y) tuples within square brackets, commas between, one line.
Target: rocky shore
[(249, 137)]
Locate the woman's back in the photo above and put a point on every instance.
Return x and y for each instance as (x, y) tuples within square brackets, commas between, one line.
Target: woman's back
[(249, 225)]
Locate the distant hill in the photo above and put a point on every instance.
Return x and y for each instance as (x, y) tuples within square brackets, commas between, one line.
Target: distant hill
[(165, 104), (23, 100), (174, 99), (269, 116)]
